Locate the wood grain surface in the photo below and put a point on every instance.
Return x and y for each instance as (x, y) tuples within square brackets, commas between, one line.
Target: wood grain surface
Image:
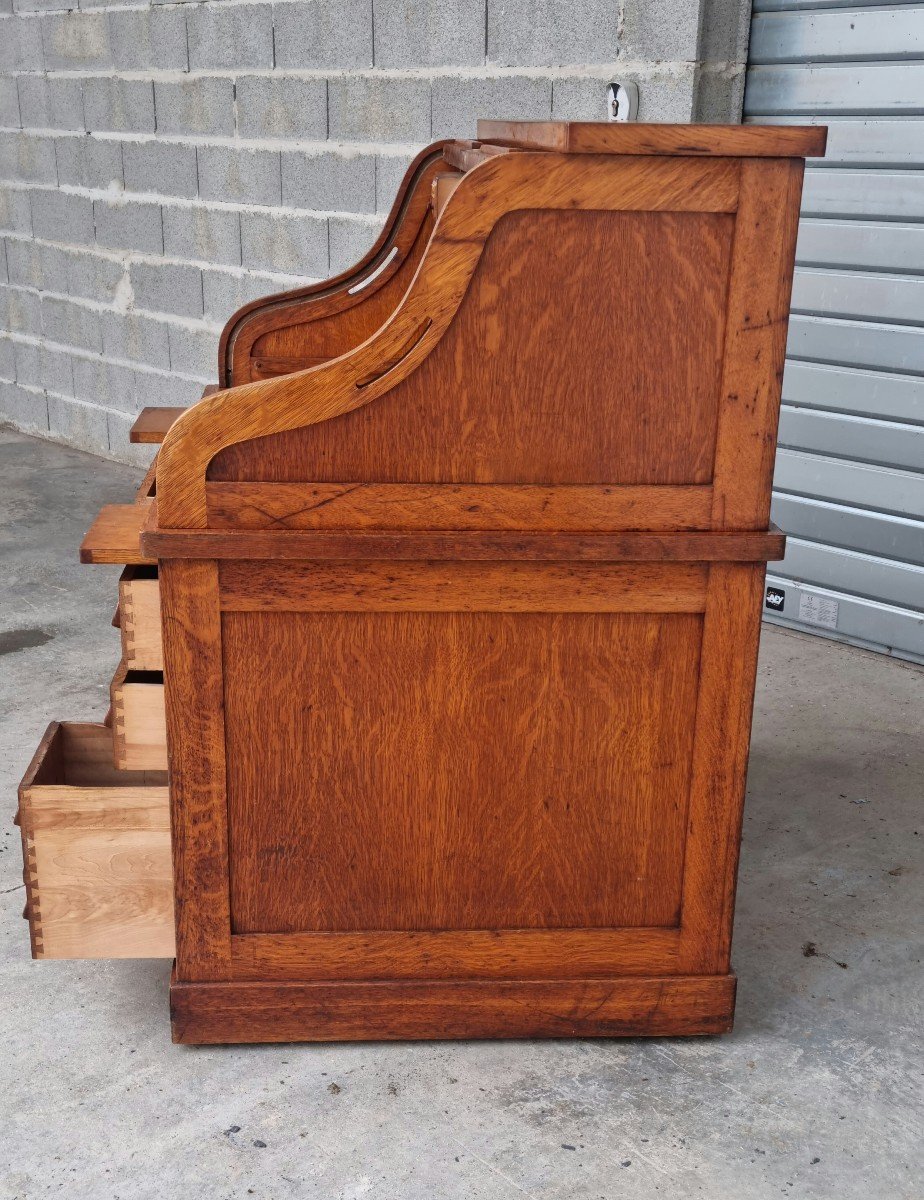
[(457, 770), (607, 137), (511, 393), (456, 506), (96, 848), (403, 1010), (504, 185)]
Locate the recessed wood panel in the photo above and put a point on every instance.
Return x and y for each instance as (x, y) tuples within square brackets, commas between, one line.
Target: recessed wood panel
[(596, 361), (448, 770)]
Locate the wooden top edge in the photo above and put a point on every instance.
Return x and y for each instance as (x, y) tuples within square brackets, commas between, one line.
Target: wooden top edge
[(114, 535), (470, 545), (150, 427), (603, 137)]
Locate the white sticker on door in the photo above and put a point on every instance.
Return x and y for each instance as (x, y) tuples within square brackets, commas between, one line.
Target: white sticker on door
[(818, 610)]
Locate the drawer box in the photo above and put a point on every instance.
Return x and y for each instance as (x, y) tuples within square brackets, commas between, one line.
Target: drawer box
[(139, 721), (139, 619), (96, 849)]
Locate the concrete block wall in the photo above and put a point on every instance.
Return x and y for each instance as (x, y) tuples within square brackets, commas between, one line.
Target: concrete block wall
[(163, 163)]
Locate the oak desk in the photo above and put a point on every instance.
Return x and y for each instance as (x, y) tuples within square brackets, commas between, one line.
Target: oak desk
[(440, 617)]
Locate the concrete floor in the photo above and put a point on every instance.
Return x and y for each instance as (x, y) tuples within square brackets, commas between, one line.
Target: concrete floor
[(817, 1093)]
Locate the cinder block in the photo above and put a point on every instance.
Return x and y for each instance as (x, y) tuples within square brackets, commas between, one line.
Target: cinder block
[(458, 103), (160, 389), (81, 425), (726, 27), (389, 172), (9, 102), (193, 351), (719, 95), (26, 410), (333, 182), (76, 41), (430, 33), (230, 35), (203, 106), (350, 239), (41, 5), (163, 168), (28, 158), (71, 324), (369, 108), (91, 275), (20, 311), (90, 162), (202, 234), (54, 261), (224, 292), (271, 107), (281, 242), (60, 217), (21, 46), (50, 103), (7, 358), (98, 381), (55, 374), (4, 273), (527, 33), (667, 96), (119, 427), (148, 38), (131, 337), (660, 31), (26, 364), (24, 263), (129, 225), (123, 105), (234, 174), (15, 210), (324, 34), (168, 287), (580, 98)]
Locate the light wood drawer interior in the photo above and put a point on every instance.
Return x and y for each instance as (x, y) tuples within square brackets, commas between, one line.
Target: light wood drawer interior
[(96, 849), (139, 723), (139, 619)]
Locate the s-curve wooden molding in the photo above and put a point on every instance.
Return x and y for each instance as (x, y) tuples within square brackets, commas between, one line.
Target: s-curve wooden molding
[(460, 607)]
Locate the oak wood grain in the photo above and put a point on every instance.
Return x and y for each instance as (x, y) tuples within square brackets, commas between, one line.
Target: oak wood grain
[(194, 699), (151, 425), (115, 535), (457, 770), (605, 137), (407, 1010), (511, 393), (462, 587), (456, 506), (506, 184), (455, 953), (482, 545)]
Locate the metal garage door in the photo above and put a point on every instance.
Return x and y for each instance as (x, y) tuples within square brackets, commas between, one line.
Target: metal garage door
[(849, 485)]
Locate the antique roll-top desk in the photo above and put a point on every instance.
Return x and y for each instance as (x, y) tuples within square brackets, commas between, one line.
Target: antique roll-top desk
[(440, 619)]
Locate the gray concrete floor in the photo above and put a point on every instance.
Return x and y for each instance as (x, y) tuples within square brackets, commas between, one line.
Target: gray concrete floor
[(817, 1093)]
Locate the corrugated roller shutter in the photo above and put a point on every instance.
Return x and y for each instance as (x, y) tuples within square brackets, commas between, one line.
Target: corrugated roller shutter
[(849, 484)]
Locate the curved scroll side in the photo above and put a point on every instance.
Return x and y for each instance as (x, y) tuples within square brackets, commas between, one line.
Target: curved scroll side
[(378, 266), (505, 183)]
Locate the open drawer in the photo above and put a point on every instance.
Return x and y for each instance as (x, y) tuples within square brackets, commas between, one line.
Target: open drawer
[(139, 619), (139, 720), (96, 849)]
